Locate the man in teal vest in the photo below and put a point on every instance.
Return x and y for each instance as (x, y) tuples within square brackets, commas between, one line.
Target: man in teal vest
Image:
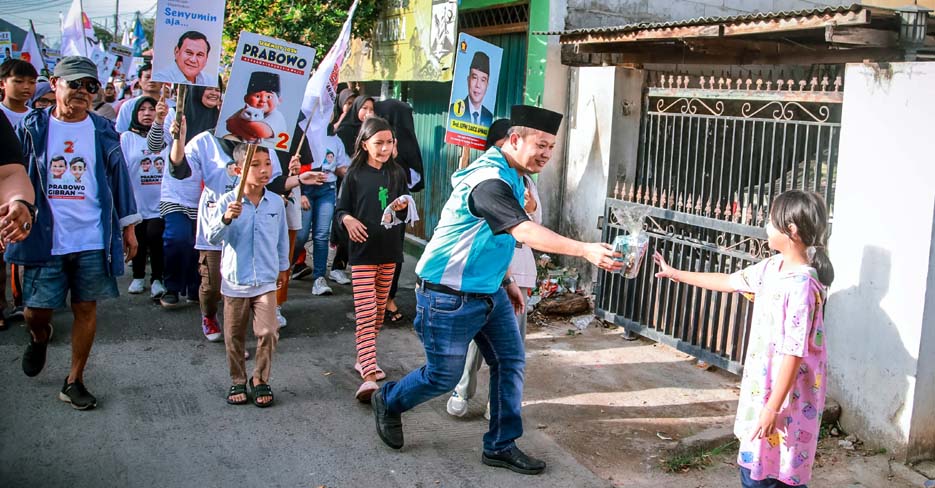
[(465, 291)]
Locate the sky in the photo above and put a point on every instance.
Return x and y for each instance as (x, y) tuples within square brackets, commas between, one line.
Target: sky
[(45, 13)]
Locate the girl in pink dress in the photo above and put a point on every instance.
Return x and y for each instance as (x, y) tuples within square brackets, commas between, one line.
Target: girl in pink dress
[(782, 393)]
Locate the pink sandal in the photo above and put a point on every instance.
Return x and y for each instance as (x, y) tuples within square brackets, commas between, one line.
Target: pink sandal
[(380, 374), (366, 391)]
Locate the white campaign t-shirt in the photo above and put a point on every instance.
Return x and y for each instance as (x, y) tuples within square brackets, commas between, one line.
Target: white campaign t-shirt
[(146, 169), (72, 189), (13, 117)]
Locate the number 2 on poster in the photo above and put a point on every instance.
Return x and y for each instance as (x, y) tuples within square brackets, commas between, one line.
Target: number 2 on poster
[(283, 141)]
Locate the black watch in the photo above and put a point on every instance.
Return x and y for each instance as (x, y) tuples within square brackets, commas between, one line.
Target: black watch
[(32, 209), (507, 282)]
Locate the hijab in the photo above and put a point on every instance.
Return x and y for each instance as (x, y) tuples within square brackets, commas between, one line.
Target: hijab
[(42, 88), (198, 117), (135, 125), (350, 126), (399, 115)]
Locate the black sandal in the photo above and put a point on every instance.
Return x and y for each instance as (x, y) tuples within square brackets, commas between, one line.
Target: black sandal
[(393, 316), (237, 390), (259, 391)]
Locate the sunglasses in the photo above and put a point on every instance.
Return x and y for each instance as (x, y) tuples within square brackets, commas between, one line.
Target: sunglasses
[(91, 86)]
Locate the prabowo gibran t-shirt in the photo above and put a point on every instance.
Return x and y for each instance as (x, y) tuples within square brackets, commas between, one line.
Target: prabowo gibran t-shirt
[(72, 189)]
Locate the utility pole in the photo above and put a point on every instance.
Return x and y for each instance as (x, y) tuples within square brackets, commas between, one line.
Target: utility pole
[(116, 20)]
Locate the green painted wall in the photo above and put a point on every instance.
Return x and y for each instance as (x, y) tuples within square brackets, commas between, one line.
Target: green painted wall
[(536, 51)]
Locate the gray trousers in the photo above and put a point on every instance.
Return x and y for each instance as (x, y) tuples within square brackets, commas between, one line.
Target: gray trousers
[(467, 387)]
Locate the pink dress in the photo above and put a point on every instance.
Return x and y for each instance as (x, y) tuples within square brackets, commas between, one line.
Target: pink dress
[(787, 320)]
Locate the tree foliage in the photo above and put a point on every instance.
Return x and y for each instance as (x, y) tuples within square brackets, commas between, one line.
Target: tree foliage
[(312, 23)]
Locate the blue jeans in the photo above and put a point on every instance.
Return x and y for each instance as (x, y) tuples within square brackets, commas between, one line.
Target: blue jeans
[(83, 274), (317, 217), (747, 482), (181, 257), (446, 324)]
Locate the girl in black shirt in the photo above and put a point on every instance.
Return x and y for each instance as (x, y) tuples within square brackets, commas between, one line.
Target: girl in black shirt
[(373, 183)]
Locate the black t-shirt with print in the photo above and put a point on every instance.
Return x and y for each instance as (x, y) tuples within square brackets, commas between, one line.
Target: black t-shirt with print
[(10, 150), (364, 194)]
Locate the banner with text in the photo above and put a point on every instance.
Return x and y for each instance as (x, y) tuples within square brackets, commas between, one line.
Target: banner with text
[(266, 72), (473, 92), (414, 41), (187, 41)]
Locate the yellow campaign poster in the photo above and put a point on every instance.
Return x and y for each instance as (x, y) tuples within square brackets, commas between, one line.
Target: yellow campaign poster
[(414, 40)]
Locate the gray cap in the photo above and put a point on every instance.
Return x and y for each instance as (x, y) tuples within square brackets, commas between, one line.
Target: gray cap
[(75, 68)]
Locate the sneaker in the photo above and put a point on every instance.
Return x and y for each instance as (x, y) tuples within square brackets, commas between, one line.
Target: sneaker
[(280, 318), (300, 271), (321, 287), (211, 329), (339, 276), (77, 395), (17, 313), (457, 405), (169, 299), (137, 286), (487, 411), (34, 356), (157, 290)]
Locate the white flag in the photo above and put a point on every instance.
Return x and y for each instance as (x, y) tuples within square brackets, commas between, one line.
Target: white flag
[(31, 52), (320, 93), (74, 32)]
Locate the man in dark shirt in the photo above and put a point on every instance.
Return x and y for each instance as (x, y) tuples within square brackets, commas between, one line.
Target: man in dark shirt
[(465, 291)]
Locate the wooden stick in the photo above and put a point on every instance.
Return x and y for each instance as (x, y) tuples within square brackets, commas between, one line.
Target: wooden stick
[(245, 170), (180, 103), (465, 157)]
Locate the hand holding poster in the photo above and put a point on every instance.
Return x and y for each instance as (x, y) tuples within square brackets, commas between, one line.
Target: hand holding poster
[(473, 92), (266, 72), (187, 41)]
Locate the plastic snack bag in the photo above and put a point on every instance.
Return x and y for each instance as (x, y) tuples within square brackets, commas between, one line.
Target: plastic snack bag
[(635, 242)]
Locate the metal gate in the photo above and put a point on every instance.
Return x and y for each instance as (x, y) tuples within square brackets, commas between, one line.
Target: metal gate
[(713, 154)]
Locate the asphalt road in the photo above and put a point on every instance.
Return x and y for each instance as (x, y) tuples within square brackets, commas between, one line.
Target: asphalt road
[(162, 419)]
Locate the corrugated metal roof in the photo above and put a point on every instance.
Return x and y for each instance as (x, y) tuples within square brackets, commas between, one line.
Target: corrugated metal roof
[(736, 19)]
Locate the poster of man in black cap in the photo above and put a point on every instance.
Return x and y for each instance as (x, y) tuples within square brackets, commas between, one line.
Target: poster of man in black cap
[(266, 72), (473, 92)]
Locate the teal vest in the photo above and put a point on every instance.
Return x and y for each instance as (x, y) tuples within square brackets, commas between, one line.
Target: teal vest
[(463, 253)]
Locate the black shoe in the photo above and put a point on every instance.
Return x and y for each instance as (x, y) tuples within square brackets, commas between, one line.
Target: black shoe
[(389, 425), (17, 313), (34, 357), (300, 271), (514, 460), (77, 395), (170, 300)]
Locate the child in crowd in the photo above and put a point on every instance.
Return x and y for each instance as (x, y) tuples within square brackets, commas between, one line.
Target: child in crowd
[(254, 263), (373, 183), (147, 188), (18, 82), (782, 393)]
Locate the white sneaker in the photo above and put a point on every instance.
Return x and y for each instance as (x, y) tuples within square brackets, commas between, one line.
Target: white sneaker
[(338, 276), (137, 286), (457, 406), (321, 287), (157, 290), (280, 318), (487, 412)]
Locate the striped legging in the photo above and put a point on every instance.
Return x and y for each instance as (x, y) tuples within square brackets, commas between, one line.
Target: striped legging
[(372, 284)]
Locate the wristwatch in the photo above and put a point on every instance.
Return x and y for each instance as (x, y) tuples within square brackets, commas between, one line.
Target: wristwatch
[(32, 209), (507, 282)]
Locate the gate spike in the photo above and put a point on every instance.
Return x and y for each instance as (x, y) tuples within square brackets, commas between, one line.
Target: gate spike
[(701, 81), (749, 82), (678, 204), (711, 82), (729, 81), (759, 84), (802, 85), (837, 83), (632, 194), (663, 201), (748, 217), (790, 84), (707, 208), (639, 194), (824, 83), (698, 205), (759, 216), (814, 84), (720, 83), (616, 190), (769, 84), (727, 212), (779, 84), (655, 196)]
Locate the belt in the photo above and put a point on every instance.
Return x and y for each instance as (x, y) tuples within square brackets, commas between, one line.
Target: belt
[(450, 291)]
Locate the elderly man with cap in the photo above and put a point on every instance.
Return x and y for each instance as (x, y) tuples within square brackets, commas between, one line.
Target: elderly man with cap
[(471, 109), (84, 231), (466, 292)]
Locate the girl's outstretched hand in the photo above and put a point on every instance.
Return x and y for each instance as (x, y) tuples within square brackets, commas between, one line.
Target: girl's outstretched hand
[(665, 271)]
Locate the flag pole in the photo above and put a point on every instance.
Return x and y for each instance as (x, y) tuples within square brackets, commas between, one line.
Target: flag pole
[(245, 170), (84, 38)]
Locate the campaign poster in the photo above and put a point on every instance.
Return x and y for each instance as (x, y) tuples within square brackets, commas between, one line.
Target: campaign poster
[(187, 41), (265, 91), (6, 46), (473, 92), (124, 58), (105, 62)]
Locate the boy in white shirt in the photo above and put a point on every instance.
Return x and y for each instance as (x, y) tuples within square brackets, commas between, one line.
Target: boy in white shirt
[(254, 263)]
